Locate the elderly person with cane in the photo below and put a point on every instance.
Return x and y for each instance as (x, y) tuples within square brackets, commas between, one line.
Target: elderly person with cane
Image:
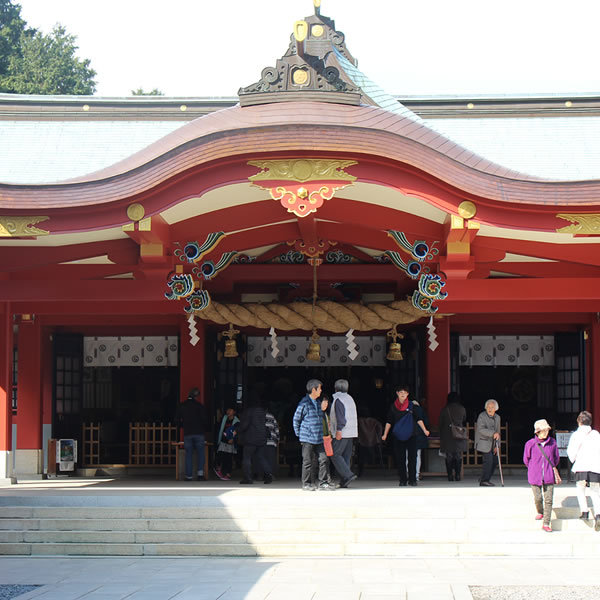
[(487, 432)]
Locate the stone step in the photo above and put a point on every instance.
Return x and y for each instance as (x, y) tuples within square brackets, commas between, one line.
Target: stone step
[(324, 523), (541, 549), (449, 522)]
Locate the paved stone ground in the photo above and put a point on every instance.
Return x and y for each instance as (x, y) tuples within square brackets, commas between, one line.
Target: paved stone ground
[(12, 591), (316, 578), (557, 592)]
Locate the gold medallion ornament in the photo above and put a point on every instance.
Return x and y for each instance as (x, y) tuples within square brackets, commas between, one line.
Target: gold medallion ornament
[(467, 209), (300, 77), (317, 31), (21, 226), (136, 212), (582, 224)]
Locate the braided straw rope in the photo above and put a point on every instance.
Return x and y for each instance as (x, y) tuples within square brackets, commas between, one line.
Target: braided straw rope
[(328, 316)]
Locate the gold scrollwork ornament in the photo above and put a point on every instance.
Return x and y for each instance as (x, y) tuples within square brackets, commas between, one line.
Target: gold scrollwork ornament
[(582, 223), (21, 226)]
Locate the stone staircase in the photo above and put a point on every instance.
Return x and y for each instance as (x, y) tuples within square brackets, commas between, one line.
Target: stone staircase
[(431, 520)]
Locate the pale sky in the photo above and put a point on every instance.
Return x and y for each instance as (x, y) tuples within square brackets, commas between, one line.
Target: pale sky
[(432, 47)]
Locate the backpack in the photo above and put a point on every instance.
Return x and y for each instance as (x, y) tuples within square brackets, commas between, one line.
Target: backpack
[(405, 426)]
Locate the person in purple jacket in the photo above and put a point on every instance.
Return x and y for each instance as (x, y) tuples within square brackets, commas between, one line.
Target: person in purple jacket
[(541, 458)]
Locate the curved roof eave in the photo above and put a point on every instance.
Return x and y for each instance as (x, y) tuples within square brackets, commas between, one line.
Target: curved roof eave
[(294, 127)]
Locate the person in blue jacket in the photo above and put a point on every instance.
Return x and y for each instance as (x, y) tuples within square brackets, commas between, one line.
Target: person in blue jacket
[(308, 426)]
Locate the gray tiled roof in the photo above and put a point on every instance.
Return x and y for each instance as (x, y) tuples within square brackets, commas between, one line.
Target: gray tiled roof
[(44, 151), (552, 147), (50, 151)]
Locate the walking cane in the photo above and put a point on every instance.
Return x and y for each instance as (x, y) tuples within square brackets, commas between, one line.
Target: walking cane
[(499, 462)]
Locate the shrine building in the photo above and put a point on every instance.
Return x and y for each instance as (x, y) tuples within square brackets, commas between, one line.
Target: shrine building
[(314, 226)]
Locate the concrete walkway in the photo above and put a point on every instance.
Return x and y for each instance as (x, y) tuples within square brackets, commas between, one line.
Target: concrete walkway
[(287, 579)]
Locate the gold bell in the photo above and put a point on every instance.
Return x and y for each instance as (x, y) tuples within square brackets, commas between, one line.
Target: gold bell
[(230, 345), (395, 352), (230, 349), (314, 349)]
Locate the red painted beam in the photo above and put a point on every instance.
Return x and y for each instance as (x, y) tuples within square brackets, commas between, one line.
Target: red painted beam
[(383, 218), (539, 290), (487, 321), (587, 254), (19, 257), (546, 269), (256, 214), (74, 272)]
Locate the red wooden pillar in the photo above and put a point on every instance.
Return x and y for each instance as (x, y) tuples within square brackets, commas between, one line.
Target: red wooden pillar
[(594, 371), (47, 370), (437, 378), (29, 408), (192, 368), (6, 354)]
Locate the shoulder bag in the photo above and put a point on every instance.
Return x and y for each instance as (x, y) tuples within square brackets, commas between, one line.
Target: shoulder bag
[(327, 441), (557, 477), (459, 432)]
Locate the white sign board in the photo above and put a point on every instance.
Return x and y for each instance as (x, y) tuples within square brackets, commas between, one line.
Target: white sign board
[(562, 441)]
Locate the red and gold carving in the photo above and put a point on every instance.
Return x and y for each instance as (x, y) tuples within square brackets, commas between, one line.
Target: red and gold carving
[(303, 198), (312, 249), (302, 185)]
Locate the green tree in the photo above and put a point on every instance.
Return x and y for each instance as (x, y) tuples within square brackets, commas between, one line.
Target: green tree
[(141, 92), (32, 62), (12, 27)]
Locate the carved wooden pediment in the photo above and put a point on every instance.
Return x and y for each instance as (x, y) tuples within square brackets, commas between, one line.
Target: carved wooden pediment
[(309, 70)]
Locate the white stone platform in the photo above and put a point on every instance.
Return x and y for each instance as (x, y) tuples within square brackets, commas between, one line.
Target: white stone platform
[(136, 517)]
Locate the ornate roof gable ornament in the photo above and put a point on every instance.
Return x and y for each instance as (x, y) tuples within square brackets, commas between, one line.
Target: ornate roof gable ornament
[(309, 70)]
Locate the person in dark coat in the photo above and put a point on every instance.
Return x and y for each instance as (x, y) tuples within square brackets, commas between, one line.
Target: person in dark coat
[(252, 434), (400, 409), (453, 413), (191, 416)]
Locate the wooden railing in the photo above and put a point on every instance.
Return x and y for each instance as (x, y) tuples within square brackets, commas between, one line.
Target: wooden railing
[(150, 444), (90, 450)]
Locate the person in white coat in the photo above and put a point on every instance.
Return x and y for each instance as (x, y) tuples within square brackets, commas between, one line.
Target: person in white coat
[(344, 426), (583, 451)]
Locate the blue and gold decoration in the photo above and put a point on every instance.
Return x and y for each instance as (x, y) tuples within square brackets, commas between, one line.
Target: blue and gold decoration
[(198, 301), (419, 250), (209, 269), (429, 290), (412, 268), (181, 285), (193, 252)]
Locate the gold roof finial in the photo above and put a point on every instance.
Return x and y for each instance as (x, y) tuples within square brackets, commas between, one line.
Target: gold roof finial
[(317, 4)]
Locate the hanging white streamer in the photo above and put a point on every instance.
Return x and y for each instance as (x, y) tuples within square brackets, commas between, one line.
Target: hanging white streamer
[(194, 339), (433, 343), (274, 346), (352, 351)]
